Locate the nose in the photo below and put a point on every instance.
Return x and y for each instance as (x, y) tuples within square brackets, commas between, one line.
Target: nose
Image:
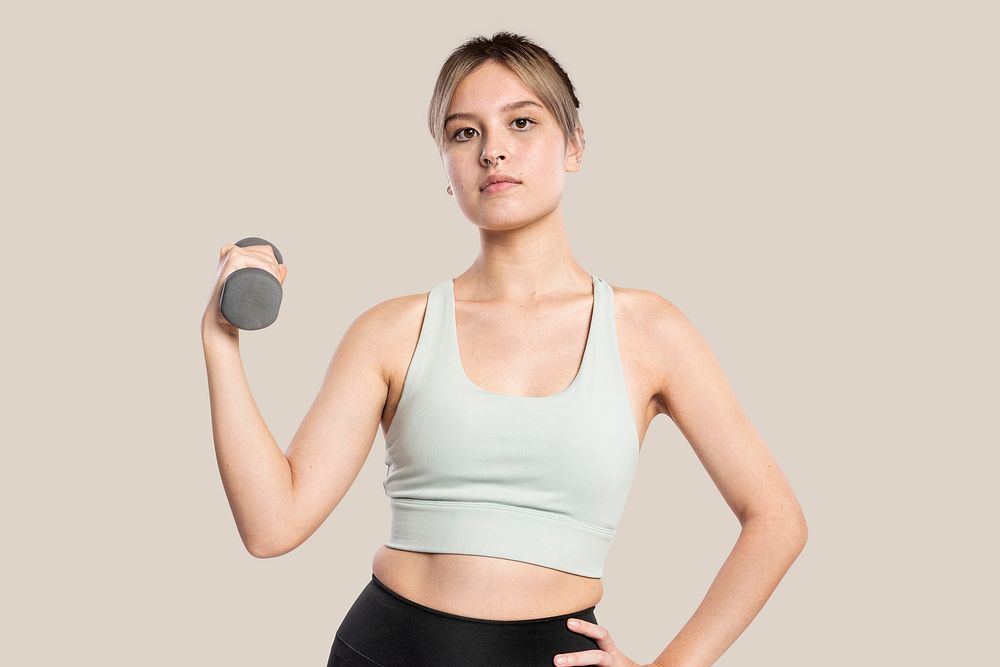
[(491, 157)]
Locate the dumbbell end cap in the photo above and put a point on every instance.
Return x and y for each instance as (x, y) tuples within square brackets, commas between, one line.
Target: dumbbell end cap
[(251, 299)]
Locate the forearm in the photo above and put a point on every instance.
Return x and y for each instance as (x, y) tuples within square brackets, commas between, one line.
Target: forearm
[(255, 473), (765, 550)]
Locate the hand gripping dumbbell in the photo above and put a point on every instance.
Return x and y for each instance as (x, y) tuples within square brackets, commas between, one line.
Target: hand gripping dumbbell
[(251, 296)]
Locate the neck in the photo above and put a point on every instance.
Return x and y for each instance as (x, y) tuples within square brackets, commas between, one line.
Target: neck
[(525, 263)]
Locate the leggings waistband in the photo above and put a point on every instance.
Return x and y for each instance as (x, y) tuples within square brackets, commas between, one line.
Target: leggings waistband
[(438, 612), (383, 628)]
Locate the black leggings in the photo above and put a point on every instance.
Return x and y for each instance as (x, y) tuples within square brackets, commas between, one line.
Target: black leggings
[(384, 628)]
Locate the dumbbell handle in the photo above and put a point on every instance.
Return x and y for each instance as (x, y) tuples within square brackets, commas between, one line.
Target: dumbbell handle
[(251, 297)]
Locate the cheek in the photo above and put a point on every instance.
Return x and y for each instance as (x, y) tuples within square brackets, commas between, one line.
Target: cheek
[(458, 177), (545, 156)]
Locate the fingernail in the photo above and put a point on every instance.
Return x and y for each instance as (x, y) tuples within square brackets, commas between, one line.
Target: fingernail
[(561, 660), (572, 623)]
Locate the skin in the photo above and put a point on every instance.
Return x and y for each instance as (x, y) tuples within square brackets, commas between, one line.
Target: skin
[(526, 285)]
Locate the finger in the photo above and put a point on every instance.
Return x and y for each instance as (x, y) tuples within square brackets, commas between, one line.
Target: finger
[(580, 625), (265, 250), (591, 657), (264, 255), (594, 630)]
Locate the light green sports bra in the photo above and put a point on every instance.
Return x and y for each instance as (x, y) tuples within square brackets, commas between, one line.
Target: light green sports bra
[(539, 479)]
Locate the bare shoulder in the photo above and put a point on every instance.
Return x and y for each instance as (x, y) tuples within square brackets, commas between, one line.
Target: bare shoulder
[(654, 315), (653, 333), (643, 305), (389, 326)]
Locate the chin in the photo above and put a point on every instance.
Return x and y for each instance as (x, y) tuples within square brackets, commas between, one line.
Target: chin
[(501, 221)]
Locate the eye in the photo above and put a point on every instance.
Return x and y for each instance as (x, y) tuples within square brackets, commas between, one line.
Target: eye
[(461, 132)]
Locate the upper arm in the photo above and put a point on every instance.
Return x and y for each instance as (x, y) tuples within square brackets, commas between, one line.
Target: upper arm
[(696, 395), (335, 437)]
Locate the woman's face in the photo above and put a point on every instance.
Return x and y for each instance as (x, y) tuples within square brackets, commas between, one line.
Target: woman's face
[(525, 143)]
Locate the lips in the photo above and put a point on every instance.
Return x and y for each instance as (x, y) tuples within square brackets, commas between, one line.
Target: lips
[(497, 178), (499, 186)]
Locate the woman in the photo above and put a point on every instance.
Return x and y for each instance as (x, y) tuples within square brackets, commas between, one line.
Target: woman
[(514, 400)]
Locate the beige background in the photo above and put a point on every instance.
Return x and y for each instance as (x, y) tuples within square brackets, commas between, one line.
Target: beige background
[(815, 184)]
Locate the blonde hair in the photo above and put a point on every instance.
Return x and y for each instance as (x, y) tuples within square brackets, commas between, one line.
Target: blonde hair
[(539, 71)]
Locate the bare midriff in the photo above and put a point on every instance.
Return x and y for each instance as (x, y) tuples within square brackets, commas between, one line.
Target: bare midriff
[(483, 586)]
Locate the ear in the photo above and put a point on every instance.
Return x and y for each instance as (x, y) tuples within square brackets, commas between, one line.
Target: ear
[(574, 150)]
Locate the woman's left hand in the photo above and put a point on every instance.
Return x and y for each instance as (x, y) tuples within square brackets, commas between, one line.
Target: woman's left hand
[(607, 656)]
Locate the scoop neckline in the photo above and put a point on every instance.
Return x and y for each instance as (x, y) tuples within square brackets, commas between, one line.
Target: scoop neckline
[(520, 397)]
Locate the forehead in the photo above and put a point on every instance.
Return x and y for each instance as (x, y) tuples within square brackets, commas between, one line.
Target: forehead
[(488, 89)]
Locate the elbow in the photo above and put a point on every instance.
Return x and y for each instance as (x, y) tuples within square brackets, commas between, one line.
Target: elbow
[(797, 531), (259, 552), (268, 548), (796, 534), (274, 540), (787, 528)]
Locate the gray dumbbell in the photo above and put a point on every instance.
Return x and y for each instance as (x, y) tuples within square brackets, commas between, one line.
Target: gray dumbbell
[(251, 296)]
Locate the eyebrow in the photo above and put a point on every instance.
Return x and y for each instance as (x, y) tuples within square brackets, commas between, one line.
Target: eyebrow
[(506, 107)]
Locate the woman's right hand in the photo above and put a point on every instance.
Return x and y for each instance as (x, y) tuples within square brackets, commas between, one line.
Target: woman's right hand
[(233, 258)]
